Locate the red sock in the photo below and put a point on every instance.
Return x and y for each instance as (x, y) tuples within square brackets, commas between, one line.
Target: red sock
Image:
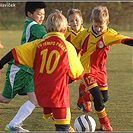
[(81, 87), (86, 96), (103, 118)]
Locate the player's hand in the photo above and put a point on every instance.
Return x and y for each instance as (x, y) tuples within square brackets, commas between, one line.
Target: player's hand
[(128, 41)]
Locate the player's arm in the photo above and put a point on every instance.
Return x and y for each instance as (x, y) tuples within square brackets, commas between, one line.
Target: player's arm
[(127, 41), (6, 59), (76, 69), (38, 31)]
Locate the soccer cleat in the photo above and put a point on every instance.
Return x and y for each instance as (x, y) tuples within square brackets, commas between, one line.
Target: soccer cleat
[(10, 128), (71, 129), (106, 127), (84, 106)]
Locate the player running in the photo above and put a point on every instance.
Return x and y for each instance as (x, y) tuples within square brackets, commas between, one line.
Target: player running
[(93, 44)]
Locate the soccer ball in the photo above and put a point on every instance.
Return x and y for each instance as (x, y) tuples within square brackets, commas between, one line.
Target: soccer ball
[(84, 123)]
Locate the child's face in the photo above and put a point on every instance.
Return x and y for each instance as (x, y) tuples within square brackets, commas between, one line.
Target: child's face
[(75, 21), (38, 15), (98, 27)]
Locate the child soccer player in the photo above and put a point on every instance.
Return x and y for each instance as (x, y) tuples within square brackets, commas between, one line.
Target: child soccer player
[(75, 21), (53, 60), (19, 79), (33, 27), (94, 44)]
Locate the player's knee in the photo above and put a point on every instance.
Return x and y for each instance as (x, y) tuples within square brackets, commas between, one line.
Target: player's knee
[(99, 104), (34, 101), (32, 98), (98, 98), (5, 100), (105, 95), (62, 127), (105, 99)]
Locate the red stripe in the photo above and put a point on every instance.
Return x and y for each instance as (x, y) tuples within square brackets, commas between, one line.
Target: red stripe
[(15, 56)]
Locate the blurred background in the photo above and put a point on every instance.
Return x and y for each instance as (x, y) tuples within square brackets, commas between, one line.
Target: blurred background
[(12, 15)]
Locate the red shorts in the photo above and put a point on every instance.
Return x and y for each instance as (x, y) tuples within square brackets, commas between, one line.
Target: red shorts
[(59, 115), (96, 79)]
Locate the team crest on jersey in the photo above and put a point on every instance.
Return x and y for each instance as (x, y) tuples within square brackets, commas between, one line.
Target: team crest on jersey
[(100, 44)]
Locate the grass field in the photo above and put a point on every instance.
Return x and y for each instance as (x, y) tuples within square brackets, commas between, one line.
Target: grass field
[(119, 107)]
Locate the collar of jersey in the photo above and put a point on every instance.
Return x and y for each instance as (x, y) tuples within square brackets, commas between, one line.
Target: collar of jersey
[(91, 30), (71, 30), (56, 34), (29, 19)]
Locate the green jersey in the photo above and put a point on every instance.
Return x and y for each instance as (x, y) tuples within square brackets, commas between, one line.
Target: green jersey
[(30, 31), (19, 79)]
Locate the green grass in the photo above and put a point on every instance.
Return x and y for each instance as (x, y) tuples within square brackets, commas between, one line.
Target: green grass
[(118, 107)]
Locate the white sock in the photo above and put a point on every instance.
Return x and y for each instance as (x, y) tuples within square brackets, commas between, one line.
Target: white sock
[(24, 111)]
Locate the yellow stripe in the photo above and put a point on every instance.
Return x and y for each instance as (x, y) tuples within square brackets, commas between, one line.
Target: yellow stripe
[(92, 86), (45, 117), (62, 121), (103, 88), (102, 113)]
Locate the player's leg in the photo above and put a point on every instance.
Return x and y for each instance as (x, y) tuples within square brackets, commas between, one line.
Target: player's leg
[(105, 95), (62, 117), (4, 99), (103, 86), (7, 94), (100, 109), (92, 84), (24, 111), (23, 80), (84, 104), (49, 114)]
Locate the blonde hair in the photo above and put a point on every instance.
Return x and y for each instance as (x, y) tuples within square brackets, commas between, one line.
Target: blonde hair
[(56, 10), (56, 22), (100, 14), (74, 11)]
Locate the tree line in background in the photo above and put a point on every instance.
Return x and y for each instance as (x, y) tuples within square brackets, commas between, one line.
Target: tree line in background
[(121, 13)]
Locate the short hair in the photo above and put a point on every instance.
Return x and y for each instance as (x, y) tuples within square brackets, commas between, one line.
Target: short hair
[(56, 22), (56, 10), (32, 6), (100, 14), (74, 11)]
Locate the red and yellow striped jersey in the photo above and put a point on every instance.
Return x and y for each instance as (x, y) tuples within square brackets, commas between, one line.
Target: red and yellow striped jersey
[(94, 48), (71, 34), (53, 60)]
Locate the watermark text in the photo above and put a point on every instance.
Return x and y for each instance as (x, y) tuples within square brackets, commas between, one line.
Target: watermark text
[(7, 5)]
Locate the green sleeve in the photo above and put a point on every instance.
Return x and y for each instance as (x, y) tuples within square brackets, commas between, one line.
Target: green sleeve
[(38, 31)]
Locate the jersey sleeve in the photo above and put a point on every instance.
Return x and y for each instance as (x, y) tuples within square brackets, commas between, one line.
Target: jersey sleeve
[(113, 37), (76, 69), (25, 54), (41, 31)]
